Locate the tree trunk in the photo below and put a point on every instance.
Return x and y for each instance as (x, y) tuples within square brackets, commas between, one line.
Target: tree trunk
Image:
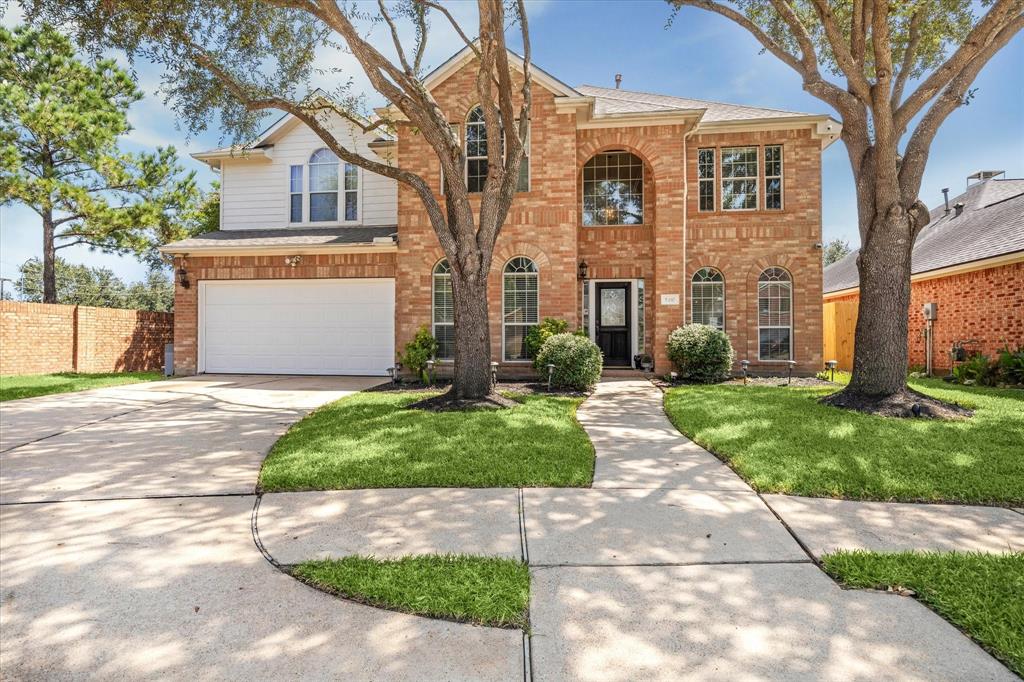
[(472, 378), (881, 346), (49, 259)]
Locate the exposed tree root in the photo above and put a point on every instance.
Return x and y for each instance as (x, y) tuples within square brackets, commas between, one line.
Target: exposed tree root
[(905, 403), (447, 402)]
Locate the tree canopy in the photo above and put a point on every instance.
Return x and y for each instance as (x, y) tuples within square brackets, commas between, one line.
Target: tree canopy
[(96, 286), (60, 122), (835, 250)]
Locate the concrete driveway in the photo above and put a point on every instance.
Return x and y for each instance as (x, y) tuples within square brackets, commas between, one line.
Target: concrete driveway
[(203, 435), (126, 549)]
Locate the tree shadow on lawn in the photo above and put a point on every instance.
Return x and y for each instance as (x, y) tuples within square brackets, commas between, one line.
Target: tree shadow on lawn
[(370, 441), (783, 440)]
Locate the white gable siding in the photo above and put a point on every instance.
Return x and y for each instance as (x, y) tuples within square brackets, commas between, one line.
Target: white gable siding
[(255, 190)]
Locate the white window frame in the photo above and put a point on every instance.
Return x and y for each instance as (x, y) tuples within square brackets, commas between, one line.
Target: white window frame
[(301, 193), (709, 180), (780, 177), (306, 184), (464, 141), (761, 282), (583, 187), (745, 178), (504, 325), (701, 286), (434, 324)]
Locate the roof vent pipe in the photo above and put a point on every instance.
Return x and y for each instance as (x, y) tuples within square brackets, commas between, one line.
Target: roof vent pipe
[(945, 198), (959, 207), (618, 81)]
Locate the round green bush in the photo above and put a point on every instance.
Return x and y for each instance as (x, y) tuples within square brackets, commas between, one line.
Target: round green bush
[(576, 358), (702, 353)]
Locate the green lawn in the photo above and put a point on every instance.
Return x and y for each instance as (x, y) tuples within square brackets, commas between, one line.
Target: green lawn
[(368, 440), (781, 439), (32, 385), (481, 590), (983, 594)]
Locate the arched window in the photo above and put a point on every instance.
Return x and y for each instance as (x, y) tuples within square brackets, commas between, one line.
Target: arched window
[(519, 306), (613, 189), (325, 189), (775, 315), (707, 298), (476, 154), (444, 311)]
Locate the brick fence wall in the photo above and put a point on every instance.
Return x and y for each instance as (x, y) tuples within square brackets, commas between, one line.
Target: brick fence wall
[(40, 338)]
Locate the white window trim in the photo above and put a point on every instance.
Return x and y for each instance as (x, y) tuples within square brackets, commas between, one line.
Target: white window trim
[(775, 326), (504, 324), (306, 222), (724, 301), (781, 176), (433, 292), (592, 317), (756, 178), (712, 180)]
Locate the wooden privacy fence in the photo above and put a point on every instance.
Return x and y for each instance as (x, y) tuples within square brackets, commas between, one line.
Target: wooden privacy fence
[(839, 321)]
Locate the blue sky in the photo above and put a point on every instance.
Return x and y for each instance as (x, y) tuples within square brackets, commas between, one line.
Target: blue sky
[(701, 56)]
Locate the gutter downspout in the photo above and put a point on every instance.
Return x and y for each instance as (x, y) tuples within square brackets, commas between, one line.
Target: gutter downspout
[(686, 202)]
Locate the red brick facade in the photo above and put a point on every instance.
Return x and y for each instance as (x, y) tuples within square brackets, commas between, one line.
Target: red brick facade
[(42, 338), (545, 224), (985, 305)]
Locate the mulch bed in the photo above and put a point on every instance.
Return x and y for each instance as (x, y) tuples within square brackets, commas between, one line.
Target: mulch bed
[(806, 382), (498, 399), (908, 403)]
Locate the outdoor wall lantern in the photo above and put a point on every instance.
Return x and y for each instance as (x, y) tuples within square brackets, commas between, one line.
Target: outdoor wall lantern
[(183, 277), (581, 272), (292, 260)]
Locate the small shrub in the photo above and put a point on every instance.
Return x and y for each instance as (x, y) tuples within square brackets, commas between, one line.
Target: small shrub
[(576, 358), (1011, 365), (423, 347), (976, 370), (702, 353), (547, 328)]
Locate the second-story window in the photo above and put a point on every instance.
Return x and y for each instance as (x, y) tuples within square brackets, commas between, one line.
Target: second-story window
[(325, 188), (476, 154), (613, 189), (739, 178), (706, 179), (295, 194), (773, 177)]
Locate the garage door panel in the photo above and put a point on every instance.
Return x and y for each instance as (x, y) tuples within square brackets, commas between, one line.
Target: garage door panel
[(298, 326)]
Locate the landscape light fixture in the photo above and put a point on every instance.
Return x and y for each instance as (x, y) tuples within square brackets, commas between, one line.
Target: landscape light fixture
[(551, 373), (745, 364), (789, 375), (494, 373), (830, 365)]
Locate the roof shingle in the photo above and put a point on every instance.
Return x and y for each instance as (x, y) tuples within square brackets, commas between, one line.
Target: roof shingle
[(616, 101)]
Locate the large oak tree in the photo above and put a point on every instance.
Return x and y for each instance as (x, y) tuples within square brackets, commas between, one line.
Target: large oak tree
[(898, 70), (237, 59)]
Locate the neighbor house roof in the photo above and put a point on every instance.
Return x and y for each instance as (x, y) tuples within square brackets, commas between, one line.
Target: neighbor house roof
[(616, 101), (990, 225), (284, 238)]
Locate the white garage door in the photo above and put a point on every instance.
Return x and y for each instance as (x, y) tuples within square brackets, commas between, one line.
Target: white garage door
[(310, 326)]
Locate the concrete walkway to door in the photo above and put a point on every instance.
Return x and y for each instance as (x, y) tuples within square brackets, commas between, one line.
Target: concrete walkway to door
[(670, 567)]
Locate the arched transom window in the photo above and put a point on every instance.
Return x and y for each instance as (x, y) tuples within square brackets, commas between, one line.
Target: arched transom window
[(707, 298), (476, 154), (444, 311), (326, 190), (613, 189), (519, 306), (775, 315)]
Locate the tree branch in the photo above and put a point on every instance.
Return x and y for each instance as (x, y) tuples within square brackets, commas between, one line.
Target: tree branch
[(853, 70), (1002, 13), (451, 20), (907, 63)]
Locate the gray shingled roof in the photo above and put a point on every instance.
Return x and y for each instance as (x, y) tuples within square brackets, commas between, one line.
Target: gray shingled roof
[(290, 236), (610, 101), (992, 224)]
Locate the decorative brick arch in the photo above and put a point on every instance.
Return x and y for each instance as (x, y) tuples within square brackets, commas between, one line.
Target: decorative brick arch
[(503, 253), (645, 151)]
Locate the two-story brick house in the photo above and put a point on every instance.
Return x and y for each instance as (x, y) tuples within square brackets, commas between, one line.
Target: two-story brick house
[(637, 212)]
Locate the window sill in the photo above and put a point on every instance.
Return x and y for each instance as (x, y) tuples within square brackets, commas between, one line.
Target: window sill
[(326, 223)]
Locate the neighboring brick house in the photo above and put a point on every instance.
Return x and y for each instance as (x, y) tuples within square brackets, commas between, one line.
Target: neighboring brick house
[(637, 213), (969, 260)]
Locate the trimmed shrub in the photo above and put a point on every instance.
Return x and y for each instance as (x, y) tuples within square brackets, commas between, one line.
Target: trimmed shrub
[(423, 347), (703, 354), (547, 328), (577, 360)]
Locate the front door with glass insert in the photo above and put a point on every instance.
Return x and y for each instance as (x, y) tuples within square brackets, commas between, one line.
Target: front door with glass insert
[(611, 324)]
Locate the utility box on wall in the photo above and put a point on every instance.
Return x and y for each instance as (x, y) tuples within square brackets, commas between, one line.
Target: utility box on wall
[(930, 311)]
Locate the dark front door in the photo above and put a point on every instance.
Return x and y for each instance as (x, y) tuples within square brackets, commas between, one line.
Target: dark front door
[(612, 323)]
